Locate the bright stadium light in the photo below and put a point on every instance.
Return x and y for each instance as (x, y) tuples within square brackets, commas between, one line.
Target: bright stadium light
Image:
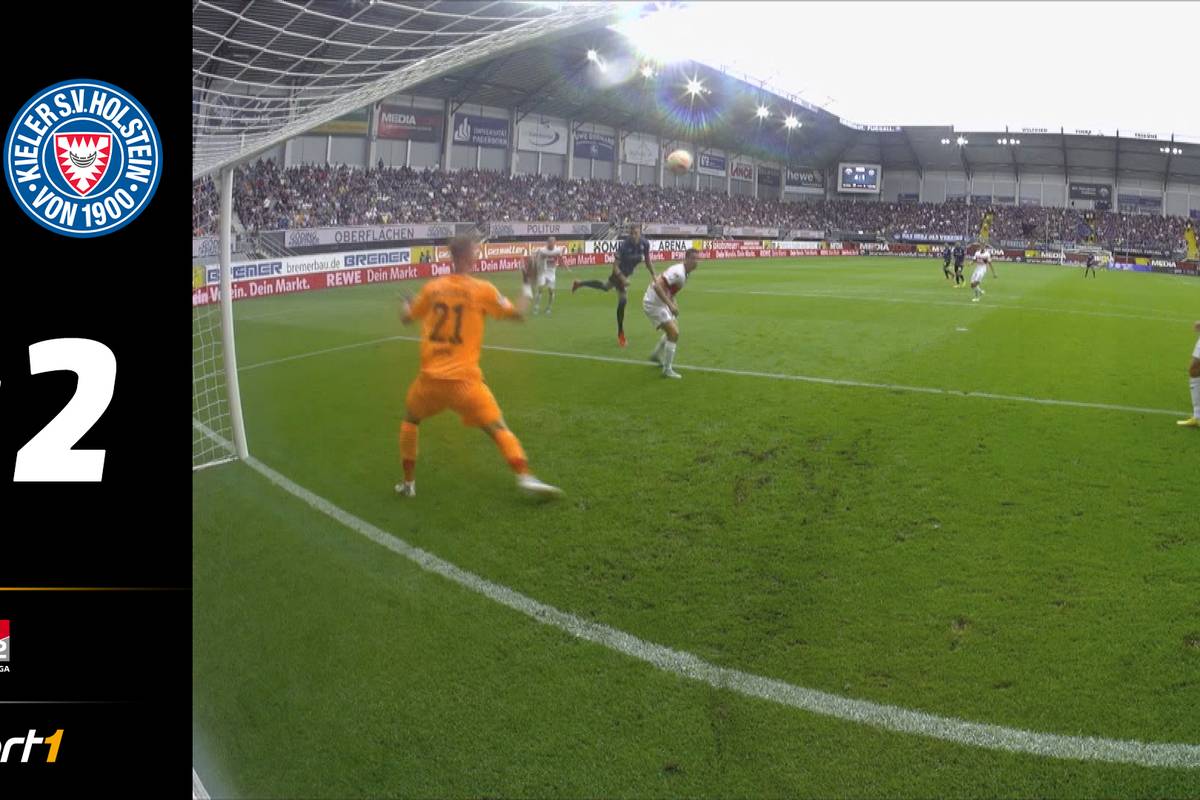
[(694, 86), (960, 141), (593, 55), (791, 122), (647, 71), (763, 112), (945, 141)]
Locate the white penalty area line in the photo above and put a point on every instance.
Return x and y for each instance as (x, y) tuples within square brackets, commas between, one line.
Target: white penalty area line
[(198, 790), (891, 387), (964, 304), (686, 665)]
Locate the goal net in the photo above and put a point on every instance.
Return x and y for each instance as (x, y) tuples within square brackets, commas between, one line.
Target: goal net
[(211, 427), (267, 71)]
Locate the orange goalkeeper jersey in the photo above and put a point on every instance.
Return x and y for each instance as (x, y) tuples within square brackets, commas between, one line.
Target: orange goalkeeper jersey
[(452, 310)]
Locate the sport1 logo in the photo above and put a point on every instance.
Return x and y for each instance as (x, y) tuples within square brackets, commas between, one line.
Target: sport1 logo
[(82, 158)]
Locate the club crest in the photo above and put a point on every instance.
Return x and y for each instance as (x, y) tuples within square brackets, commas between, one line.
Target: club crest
[(82, 158)]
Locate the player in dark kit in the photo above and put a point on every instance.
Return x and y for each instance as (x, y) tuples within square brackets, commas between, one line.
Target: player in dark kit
[(1091, 265), (946, 261), (959, 255), (631, 251)]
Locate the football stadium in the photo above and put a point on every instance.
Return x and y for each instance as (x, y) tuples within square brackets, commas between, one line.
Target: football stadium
[(846, 460)]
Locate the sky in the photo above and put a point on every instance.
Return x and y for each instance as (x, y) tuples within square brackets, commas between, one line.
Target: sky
[(1131, 66)]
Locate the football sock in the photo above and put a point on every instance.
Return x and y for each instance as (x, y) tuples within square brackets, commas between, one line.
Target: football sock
[(668, 355), (977, 291), (601, 285), (1195, 383), (662, 342), (621, 315), (510, 448), (408, 448)]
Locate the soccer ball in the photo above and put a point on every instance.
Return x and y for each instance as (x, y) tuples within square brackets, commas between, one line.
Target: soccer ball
[(679, 162)]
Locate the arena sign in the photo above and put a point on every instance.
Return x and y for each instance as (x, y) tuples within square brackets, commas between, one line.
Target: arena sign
[(768, 176), (641, 149), (480, 130), (542, 136), (210, 246), (929, 237), (308, 265), (711, 163), (798, 178), (1099, 192), (342, 270), (742, 170), (594, 145), (540, 228), (674, 230), (757, 233), (398, 122), (321, 237)]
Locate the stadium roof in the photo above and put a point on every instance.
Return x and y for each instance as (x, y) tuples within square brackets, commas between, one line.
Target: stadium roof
[(1055, 152), (267, 70), (556, 78)]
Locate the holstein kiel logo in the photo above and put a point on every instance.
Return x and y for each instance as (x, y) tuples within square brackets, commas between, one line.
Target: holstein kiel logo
[(82, 158)]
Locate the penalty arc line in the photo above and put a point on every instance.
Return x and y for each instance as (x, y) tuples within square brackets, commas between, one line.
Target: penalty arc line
[(779, 376), (686, 665)]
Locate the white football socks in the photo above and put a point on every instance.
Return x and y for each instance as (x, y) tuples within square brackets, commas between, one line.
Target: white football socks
[(658, 348), (668, 355), (1195, 384)]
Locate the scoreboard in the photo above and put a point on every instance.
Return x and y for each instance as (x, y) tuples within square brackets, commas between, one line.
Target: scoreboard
[(863, 178)]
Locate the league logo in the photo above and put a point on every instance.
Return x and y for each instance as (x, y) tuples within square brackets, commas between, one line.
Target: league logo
[(82, 158), (4, 640)]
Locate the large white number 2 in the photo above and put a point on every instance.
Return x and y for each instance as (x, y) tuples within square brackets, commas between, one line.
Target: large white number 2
[(48, 456)]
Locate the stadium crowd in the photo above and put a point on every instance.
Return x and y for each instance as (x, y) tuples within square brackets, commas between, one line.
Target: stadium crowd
[(269, 198)]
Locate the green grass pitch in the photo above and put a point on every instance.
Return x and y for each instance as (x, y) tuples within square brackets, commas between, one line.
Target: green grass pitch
[(991, 559)]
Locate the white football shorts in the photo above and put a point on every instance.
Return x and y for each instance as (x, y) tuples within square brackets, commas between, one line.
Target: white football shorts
[(658, 313)]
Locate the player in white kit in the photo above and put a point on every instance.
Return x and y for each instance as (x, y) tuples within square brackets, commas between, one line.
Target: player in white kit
[(546, 260), (983, 262), (1194, 380), (659, 305)]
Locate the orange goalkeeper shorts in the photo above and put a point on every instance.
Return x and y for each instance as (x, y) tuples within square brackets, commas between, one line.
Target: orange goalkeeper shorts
[(473, 401)]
